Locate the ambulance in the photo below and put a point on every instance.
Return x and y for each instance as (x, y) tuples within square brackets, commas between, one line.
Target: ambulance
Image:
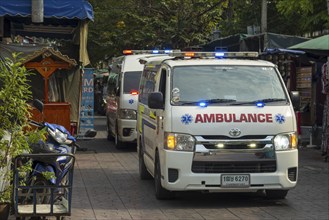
[(122, 93), (216, 122)]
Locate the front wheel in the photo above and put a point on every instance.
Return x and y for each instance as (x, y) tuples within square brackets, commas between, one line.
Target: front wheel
[(160, 192), (43, 193), (276, 193)]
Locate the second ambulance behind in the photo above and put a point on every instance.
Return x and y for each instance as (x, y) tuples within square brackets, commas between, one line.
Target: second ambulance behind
[(216, 122), (122, 94)]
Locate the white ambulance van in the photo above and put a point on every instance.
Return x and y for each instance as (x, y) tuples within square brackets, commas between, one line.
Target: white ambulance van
[(216, 122), (122, 93)]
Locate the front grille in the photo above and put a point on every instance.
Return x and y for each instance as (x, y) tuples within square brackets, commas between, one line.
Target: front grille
[(220, 137), (234, 167), (248, 154), (234, 146)]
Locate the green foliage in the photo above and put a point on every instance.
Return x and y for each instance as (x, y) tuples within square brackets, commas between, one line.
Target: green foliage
[(150, 24), (48, 175), (14, 116), (179, 24), (307, 15)]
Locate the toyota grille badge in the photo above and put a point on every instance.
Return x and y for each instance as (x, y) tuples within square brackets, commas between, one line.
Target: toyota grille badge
[(235, 132)]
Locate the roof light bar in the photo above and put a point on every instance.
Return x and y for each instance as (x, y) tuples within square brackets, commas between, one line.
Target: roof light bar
[(127, 52), (247, 54), (130, 52)]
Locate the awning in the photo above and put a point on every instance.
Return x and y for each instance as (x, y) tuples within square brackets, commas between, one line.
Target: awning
[(61, 18), (318, 46), (69, 9)]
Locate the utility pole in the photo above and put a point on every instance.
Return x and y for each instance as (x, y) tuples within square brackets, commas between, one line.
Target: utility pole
[(264, 23), (37, 11)]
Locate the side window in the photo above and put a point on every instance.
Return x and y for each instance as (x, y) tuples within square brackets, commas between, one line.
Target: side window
[(146, 85)]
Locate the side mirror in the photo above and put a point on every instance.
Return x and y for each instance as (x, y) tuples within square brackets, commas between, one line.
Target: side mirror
[(295, 99), (155, 100), (38, 105)]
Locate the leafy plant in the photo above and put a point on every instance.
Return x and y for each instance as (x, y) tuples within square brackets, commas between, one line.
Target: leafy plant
[(15, 133)]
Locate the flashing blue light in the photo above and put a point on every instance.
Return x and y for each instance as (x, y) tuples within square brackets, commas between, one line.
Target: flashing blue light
[(219, 54), (260, 104), (155, 51), (202, 104), (168, 51)]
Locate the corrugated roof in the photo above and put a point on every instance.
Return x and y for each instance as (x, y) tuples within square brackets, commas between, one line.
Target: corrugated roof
[(60, 9)]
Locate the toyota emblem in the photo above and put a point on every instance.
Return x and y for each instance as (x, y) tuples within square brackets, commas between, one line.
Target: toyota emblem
[(235, 132)]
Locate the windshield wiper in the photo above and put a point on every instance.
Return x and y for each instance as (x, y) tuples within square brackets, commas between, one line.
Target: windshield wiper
[(209, 101), (271, 100), (268, 100)]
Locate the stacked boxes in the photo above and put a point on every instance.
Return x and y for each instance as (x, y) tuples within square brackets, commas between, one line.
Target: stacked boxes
[(304, 84)]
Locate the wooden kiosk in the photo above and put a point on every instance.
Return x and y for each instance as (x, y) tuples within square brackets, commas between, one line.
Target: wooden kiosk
[(46, 61)]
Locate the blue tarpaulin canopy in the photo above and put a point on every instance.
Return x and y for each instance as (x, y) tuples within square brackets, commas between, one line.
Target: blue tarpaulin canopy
[(280, 50), (61, 18), (69, 9)]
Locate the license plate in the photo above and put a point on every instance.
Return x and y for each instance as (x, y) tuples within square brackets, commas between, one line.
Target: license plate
[(235, 180)]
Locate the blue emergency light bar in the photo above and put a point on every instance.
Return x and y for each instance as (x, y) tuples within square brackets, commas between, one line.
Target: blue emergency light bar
[(205, 55)]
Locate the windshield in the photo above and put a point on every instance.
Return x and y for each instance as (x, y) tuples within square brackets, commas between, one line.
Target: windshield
[(226, 85), (131, 81)]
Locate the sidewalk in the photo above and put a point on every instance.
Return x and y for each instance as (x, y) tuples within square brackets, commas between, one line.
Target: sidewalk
[(105, 178), (311, 158)]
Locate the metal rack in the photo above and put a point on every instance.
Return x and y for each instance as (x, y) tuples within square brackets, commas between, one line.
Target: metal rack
[(26, 197)]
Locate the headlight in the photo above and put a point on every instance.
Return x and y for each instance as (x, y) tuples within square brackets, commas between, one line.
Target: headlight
[(128, 114), (58, 136), (285, 141), (179, 142)]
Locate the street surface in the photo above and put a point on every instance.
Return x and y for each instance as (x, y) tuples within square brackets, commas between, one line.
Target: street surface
[(107, 186)]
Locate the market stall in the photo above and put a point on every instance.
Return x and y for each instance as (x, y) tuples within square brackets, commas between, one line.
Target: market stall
[(318, 48), (54, 68), (63, 31)]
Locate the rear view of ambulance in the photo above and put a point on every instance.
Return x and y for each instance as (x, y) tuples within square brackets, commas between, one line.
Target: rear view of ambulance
[(221, 124)]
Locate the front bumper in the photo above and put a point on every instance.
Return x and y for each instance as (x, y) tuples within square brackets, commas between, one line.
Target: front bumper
[(127, 130), (181, 163)]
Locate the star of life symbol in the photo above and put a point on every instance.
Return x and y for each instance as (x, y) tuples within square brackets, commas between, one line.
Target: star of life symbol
[(280, 118), (186, 119), (131, 101)]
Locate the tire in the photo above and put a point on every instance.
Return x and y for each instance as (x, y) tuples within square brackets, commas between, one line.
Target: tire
[(42, 195), (276, 193), (160, 192), (143, 173)]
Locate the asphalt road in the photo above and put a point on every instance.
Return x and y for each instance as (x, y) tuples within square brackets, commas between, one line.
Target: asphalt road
[(107, 186)]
